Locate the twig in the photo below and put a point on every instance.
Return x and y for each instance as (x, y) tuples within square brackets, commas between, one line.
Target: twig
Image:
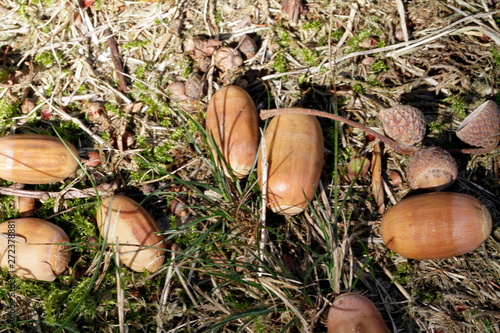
[(401, 11), (44, 195), (115, 56), (264, 114)]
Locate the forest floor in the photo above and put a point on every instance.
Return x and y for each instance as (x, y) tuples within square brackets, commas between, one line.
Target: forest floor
[(99, 74)]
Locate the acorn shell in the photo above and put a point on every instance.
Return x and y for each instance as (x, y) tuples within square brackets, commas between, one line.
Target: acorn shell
[(295, 148), (233, 121), (355, 313), (39, 253), (431, 168), (36, 159), (140, 247), (436, 225), (482, 127), (228, 59), (404, 124)]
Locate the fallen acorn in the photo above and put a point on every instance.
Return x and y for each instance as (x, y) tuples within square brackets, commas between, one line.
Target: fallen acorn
[(141, 248), (37, 249), (355, 313), (36, 159), (233, 121), (295, 148), (436, 225)]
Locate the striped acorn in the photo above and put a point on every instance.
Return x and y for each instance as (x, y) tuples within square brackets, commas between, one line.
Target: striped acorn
[(436, 225), (141, 248), (38, 248), (233, 121), (294, 145), (36, 159)]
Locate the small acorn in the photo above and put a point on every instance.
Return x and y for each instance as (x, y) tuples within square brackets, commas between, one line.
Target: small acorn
[(294, 144), (37, 247), (436, 225), (431, 168), (228, 59), (355, 313), (403, 123), (141, 248), (233, 121), (482, 127)]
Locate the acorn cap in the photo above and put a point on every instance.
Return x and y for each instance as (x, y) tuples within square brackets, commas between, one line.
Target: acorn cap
[(404, 124), (431, 168), (482, 127)]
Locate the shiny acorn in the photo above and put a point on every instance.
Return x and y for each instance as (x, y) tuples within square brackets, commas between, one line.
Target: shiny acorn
[(141, 248), (436, 225), (38, 249), (355, 313), (295, 148), (36, 159), (233, 121)]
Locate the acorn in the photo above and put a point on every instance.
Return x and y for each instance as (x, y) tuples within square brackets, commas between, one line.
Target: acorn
[(295, 148), (36, 159), (403, 123), (233, 121), (36, 250), (228, 59), (431, 168), (355, 313), (141, 248), (436, 225), (482, 127)]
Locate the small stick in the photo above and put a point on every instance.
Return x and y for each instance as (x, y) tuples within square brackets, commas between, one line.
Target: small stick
[(264, 114), (44, 195), (122, 85)]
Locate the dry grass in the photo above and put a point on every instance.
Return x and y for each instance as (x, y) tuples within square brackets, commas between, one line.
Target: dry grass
[(352, 57)]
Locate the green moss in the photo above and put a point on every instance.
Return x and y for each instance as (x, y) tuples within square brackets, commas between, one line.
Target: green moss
[(284, 38), (380, 66), (458, 105), (280, 64), (358, 89), (5, 74), (136, 43), (496, 57), (435, 127), (8, 110), (309, 56), (48, 59), (359, 37), (311, 25)]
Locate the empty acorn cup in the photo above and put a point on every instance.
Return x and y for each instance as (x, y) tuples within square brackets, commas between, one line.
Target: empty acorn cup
[(482, 127)]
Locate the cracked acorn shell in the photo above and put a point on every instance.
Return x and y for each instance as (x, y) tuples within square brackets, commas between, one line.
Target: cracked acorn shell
[(36, 159), (295, 148), (355, 313), (140, 247), (482, 127), (403, 123), (431, 168), (436, 225), (38, 250), (233, 121)]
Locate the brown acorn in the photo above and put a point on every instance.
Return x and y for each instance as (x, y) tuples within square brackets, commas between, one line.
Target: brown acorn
[(37, 249), (355, 313), (404, 124), (141, 248), (482, 127), (295, 148), (233, 121), (36, 159), (228, 59), (431, 168), (436, 225)]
